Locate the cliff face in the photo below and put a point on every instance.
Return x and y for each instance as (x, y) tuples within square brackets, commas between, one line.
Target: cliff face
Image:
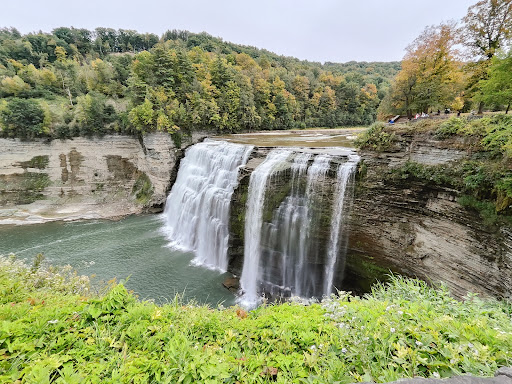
[(412, 227), (421, 230), (81, 178), (415, 228)]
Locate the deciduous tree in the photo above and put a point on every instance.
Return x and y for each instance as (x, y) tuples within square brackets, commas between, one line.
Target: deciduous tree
[(486, 28), (22, 118), (497, 88), (431, 74)]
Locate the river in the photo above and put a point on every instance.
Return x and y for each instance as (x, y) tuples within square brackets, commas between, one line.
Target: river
[(133, 248)]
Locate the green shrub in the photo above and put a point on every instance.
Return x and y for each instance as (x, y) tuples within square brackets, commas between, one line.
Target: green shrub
[(504, 193), (479, 178), (63, 131), (487, 186), (498, 135), (376, 138), (450, 128), (143, 189), (475, 127), (486, 210), (22, 118), (486, 180), (93, 114), (432, 174), (177, 138)]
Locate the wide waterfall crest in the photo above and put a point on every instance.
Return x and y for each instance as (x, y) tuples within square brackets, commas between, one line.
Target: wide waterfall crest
[(284, 253), (197, 210)]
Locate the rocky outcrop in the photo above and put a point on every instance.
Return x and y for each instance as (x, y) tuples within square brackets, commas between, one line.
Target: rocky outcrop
[(420, 230), (105, 177)]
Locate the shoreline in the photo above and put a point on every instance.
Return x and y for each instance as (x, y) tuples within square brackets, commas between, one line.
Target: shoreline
[(16, 216)]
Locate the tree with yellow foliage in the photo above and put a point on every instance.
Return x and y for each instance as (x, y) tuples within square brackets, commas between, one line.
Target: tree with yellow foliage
[(431, 75)]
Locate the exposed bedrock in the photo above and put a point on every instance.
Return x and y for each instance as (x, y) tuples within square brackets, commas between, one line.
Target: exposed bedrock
[(421, 230), (105, 177)]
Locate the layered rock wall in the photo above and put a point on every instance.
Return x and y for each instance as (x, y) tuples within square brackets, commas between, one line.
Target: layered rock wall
[(284, 264), (420, 229), (105, 177)]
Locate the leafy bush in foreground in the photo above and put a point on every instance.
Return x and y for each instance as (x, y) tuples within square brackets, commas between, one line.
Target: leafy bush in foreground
[(403, 329)]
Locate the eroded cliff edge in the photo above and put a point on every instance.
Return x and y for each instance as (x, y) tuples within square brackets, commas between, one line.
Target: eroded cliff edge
[(86, 178), (419, 229)]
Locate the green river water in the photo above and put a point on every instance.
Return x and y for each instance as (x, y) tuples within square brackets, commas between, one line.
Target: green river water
[(133, 247)]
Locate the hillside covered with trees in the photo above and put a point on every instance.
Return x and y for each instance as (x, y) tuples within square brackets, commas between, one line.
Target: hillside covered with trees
[(73, 82)]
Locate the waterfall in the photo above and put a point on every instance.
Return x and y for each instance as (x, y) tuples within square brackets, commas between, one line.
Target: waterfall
[(253, 223), (310, 255), (293, 252), (197, 210), (338, 244), (285, 236), (297, 202)]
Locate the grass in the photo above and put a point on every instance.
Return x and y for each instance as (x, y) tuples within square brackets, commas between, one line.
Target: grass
[(54, 330)]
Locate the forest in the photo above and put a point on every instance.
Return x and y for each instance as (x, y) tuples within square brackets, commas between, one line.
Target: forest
[(76, 82)]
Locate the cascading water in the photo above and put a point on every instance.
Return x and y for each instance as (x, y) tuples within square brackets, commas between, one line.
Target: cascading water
[(287, 251), (311, 261), (294, 235), (197, 209), (338, 237), (288, 247), (281, 239), (253, 224)]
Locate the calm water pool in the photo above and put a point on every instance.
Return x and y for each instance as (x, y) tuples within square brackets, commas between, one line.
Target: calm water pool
[(134, 247)]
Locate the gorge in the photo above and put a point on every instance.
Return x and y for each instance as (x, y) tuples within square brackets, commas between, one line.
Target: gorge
[(407, 226)]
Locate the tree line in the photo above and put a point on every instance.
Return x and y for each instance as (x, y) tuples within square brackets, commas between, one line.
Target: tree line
[(74, 82), (463, 66)]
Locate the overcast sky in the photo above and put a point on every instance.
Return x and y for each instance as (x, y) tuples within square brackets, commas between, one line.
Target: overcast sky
[(319, 30)]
